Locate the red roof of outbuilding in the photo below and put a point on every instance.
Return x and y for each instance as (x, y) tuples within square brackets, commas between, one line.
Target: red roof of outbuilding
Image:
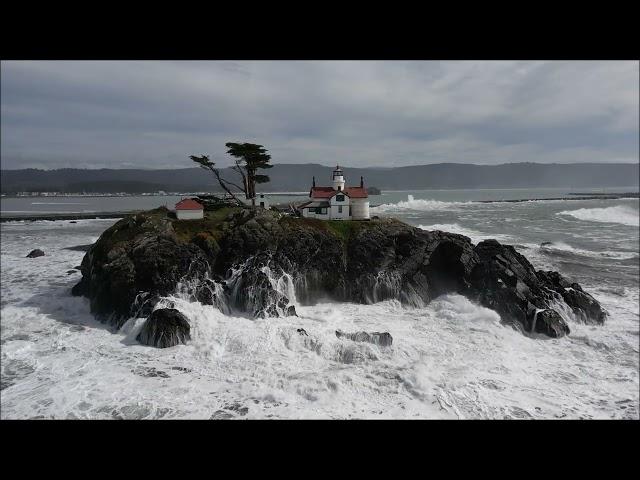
[(188, 204), (328, 192)]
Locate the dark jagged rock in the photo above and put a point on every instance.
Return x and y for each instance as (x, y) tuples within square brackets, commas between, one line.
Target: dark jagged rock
[(506, 282), (252, 261), (584, 306), (165, 327), (383, 339), (35, 253), (302, 331), (138, 254), (79, 248), (550, 323), (145, 303)]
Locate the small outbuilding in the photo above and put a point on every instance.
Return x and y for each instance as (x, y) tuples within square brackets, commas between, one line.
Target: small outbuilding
[(260, 200), (263, 201), (189, 209)]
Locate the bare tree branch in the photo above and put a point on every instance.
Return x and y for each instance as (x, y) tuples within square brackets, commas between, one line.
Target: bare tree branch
[(238, 168), (207, 164)]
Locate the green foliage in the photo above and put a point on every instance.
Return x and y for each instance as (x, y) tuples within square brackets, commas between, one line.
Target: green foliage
[(210, 226), (254, 156), (209, 164), (250, 158), (203, 161), (344, 229)]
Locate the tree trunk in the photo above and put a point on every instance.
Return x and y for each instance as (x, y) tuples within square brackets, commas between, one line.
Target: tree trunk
[(226, 189)]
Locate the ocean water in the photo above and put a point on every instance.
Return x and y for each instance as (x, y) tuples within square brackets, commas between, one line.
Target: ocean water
[(451, 359), (24, 206)]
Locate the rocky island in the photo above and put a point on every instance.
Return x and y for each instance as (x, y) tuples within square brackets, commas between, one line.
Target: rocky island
[(256, 262)]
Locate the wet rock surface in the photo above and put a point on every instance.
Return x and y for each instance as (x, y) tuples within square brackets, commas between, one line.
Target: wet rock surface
[(382, 339), (165, 327), (550, 323), (256, 261), (79, 248)]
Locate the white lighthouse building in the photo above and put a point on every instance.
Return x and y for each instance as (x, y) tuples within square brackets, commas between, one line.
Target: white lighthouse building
[(337, 202)]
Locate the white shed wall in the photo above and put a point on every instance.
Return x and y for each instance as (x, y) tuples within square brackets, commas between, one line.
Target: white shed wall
[(189, 214), (261, 198)]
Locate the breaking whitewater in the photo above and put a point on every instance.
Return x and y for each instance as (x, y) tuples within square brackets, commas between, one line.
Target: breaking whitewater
[(452, 359)]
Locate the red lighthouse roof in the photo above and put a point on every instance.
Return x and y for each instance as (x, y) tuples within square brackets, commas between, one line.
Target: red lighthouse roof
[(328, 192), (188, 204)]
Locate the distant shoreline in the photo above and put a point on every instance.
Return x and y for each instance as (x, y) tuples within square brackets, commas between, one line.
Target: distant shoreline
[(66, 216), (306, 192), (105, 215), (591, 196)]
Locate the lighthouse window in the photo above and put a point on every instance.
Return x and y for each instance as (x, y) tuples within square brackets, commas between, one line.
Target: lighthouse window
[(339, 198)]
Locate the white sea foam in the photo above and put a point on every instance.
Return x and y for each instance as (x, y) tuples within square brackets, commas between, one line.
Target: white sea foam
[(622, 214), (564, 247), (417, 204), (450, 359)]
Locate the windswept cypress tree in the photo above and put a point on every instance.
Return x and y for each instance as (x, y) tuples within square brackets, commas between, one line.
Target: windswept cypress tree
[(249, 158)]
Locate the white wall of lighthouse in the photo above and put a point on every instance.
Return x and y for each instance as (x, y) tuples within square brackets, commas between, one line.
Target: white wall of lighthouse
[(338, 179), (359, 208), (340, 207)]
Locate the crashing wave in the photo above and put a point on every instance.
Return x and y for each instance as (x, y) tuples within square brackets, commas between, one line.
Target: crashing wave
[(417, 204), (566, 248), (622, 214)]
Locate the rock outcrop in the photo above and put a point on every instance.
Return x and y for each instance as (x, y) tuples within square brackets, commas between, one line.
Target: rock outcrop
[(257, 262), (165, 327), (35, 253), (382, 339), (550, 323)]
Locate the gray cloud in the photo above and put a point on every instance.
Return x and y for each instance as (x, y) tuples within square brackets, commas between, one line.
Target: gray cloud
[(154, 114)]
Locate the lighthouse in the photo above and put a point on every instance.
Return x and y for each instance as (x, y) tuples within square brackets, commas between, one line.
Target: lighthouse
[(337, 202), (338, 179)]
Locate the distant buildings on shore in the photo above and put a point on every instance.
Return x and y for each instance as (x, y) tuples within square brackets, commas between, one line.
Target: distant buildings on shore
[(98, 194)]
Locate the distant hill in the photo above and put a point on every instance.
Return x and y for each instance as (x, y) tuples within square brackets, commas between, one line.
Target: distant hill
[(297, 177)]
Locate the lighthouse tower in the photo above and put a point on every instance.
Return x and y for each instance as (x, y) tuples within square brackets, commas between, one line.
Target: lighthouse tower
[(338, 179)]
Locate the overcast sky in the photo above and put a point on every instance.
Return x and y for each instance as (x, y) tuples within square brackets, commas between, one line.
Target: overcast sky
[(152, 114)]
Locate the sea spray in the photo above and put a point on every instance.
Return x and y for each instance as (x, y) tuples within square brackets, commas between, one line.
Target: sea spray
[(622, 214), (418, 204), (535, 319), (260, 289)]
